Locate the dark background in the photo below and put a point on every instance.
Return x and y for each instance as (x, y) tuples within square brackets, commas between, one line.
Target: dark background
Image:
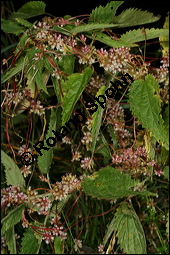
[(73, 8)]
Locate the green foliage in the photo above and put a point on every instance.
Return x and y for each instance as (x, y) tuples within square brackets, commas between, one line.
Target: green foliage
[(58, 245), (75, 84), (146, 106), (44, 161), (166, 172), (133, 17), (29, 243), (17, 23), (164, 39), (96, 120), (101, 37), (40, 82), (15, 70), (91, 27), (130, 232), (134, 36), (113, 137), (24, 38), (105, 14), (109, 232), (29, 10), (12, 218), (24, 22), (103, 148), (66, 64), (11, 27), (13, 175), (110, 183), (10, 240)]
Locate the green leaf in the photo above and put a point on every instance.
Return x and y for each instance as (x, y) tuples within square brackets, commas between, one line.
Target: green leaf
[(90, 27), (109, 231), (130, 232), (61, 30), (75, 84), (29, 10), (164, 40), (39, 77), (96, 120), (110, 183), (105, 14), (44, 161), (11, 240), (13, 174), (13, 27), (137, 35), (103, 148), (57, 89), (58, 243), (23, 40), (24, 22), (113, 136), (166, 172), (146, 106), (134, 17), (8, 47), (66, 64), (166, 117), (101, 37), (12, 218), (16, 69), (29, 242)]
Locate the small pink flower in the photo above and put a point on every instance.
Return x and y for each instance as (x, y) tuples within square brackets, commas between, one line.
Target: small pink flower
[(158, 172), (100, 248)]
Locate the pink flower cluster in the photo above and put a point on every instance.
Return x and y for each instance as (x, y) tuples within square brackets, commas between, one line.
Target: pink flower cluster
[(133, 161), (68, 184), (12, 195)]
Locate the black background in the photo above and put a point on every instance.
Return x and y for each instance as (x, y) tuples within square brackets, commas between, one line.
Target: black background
[(73, 8)]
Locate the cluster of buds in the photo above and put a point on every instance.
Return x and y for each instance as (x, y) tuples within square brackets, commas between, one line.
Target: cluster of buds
[(14, 98), (133, 161), (87, 163), (55, 230), (23, 149), (12, 195), (68, 184), (87, 55), (87, 138), (48, 236), (137, 67), (78, 244), (163, 71), (115, 59), (95, 83), (39, 204), (56, 42), (66, 140), (76, 156), (163, 77), (115, 116), (37, 108), (25, 169), (44, 204)]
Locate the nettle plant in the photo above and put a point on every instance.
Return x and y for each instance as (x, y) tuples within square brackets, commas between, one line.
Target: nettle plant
[(104, 185)]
